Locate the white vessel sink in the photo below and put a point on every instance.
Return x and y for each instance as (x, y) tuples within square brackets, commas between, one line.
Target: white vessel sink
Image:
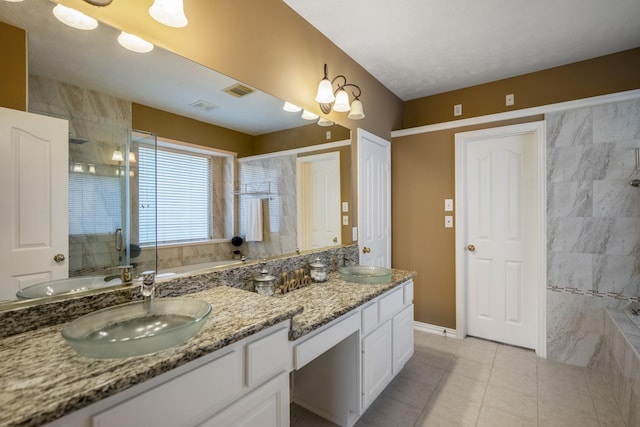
[(136, 328)]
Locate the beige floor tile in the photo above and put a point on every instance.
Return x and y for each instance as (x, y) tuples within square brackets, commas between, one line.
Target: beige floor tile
[(407, 390), (432, 357), (418, 370), (387, 412), (309, 419), (572, 402), (492, 417), (510, 401), (553, 372), (516, 362), (469, 368), (564, 417), (446, 410), (436, 342), (480, 355), (466, 389), (516, 381)]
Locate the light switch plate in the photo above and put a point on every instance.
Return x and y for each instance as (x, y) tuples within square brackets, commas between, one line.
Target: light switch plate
[(448, 205), (354, 234), (345, 219), (448, 221), (345, 206)]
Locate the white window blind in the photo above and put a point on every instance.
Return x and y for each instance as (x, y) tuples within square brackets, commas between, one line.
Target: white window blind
[(181, 193), (94, 204)]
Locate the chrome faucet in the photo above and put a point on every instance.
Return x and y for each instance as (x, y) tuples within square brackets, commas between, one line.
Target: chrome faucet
[(148, 284), (126, 275)]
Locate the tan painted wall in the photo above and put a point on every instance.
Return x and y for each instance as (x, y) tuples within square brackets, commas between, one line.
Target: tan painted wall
[(423, 175), (180, 128), (13, 84), (264, 44), (423, 166), (607, 74), (299, 137)]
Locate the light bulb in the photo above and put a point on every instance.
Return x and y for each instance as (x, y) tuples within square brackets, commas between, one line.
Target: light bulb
[(169, 12), (74, 18), (134, 43)]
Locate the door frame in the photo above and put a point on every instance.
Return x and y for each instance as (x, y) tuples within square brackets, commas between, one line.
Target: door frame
[(302, 201), (538, 129)]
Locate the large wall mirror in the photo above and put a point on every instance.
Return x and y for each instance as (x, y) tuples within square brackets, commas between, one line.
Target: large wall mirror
[(264, 162)]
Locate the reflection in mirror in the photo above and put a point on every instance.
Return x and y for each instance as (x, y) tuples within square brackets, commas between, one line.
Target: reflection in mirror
[(105, 91)]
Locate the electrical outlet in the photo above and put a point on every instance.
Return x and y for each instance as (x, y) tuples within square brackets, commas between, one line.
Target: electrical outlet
[(328, 134), (509, 100), (457, 110), (448, 221), (354, 234), (345, 220), (448, 205)]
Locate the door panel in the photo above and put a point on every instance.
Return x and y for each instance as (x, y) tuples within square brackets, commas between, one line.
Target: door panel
[(33, 221), (374, 196), (499, 213)]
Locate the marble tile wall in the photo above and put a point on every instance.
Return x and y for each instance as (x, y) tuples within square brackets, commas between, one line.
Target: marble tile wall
[(99, 124), (593, 224), (620, 362), (279, 229)]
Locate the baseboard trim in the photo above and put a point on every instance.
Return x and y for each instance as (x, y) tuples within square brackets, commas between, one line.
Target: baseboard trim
[(434, 329)]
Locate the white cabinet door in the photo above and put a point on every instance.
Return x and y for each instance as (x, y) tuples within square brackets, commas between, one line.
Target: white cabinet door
[(267, 406), (34, 208), (377, 363), (402, 338)]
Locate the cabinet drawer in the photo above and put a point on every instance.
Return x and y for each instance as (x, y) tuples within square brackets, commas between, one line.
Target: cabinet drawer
[(369, 318), (408, 293), (323, 341), (181, 400), (267, 357), (390, 304)]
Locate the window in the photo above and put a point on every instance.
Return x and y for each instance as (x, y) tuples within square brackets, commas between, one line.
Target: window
[(94, 204), (183, 190)]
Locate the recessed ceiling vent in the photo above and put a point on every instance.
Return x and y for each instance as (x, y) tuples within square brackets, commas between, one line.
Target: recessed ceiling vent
[(203, 105), (239, 90)]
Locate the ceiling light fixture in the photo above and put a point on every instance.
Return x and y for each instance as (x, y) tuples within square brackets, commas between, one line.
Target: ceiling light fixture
[(74, 18), (308, 115), (291, 107), (338, 100), (134, 43), (325, 122), (169, 12)]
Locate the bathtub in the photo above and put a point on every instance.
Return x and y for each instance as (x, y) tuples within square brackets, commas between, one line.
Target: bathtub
[(65, 286), (195, 268)]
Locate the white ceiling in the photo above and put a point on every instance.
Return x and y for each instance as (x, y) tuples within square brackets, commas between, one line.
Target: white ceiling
[(160, 79), (418, 48)]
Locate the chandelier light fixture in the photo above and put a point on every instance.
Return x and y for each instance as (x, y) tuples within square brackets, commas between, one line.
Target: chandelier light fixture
[(74, 18), (338, 100), (169, 12)]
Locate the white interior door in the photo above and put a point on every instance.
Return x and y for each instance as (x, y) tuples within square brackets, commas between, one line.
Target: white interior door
[(319, 201), (34, 194), (374, 199), (500, 243)]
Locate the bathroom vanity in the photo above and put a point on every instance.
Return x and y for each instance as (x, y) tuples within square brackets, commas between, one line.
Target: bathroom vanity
[(331, 347)]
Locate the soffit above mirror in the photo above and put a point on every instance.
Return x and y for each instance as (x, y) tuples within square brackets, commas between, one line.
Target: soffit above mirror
[(160, 79)]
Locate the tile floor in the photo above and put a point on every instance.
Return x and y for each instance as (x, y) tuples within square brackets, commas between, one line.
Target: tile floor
[(473, 382)]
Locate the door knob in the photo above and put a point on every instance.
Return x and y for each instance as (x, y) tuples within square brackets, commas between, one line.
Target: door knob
[(58, 258), (366, 250), (335, 240), (471, 248)]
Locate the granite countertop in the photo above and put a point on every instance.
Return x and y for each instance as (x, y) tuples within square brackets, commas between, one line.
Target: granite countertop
[(42, 378), (324, 302)]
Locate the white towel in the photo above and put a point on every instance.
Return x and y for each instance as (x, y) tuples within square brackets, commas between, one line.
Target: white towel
[(254, 220)]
